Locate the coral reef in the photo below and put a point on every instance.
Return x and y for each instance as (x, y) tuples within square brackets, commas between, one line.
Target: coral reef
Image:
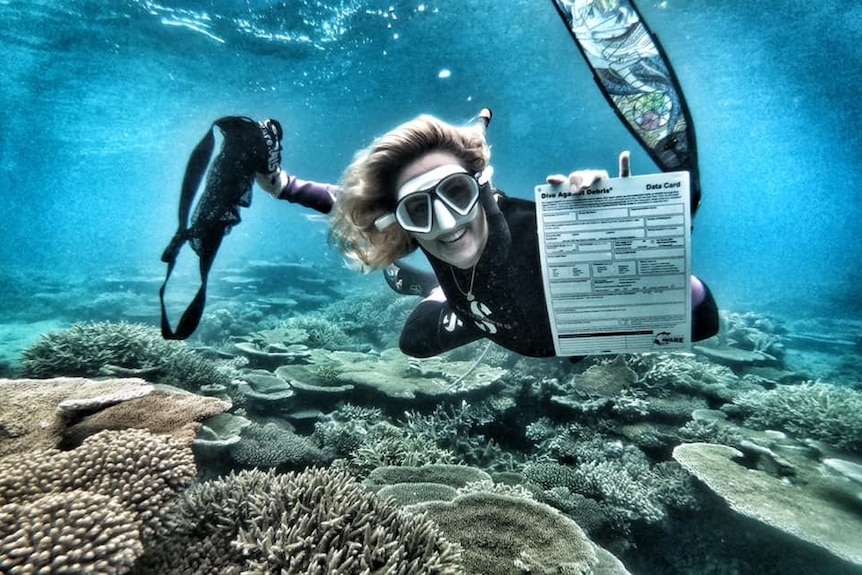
[(797, 509), (501, 535), (316, 521), (815, 410), (119, 349), (35, 412), (95, 507)]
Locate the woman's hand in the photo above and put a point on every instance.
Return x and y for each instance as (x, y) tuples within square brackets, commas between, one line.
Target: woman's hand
[(580, 180)]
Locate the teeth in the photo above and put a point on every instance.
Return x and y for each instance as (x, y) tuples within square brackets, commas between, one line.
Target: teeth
[(452, 237)]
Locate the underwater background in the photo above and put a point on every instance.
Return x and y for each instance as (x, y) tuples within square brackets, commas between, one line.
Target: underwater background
[(102, 103)]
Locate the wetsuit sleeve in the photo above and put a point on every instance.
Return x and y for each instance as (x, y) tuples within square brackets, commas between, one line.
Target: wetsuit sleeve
[(433, 328), (314, 195)]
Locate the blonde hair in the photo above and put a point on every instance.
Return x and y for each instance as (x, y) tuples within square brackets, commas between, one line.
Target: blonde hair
[(368, 185)]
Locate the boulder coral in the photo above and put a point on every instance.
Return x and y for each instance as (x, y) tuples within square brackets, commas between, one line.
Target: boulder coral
[(92, 509), (72, 532)]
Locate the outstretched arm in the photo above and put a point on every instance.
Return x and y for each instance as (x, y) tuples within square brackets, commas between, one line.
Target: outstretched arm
[(434, 327), (314, 195)]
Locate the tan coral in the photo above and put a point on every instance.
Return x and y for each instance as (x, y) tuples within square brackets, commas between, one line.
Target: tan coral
[(72, 532), (29, 413), (390, 375), (501, 534), (146, 473), (799, 510), (177, 413)]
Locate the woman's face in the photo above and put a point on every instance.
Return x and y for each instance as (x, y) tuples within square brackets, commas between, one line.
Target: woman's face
[(459, 244)]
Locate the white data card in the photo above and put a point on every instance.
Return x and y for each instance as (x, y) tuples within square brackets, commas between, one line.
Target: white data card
[(616, 264)]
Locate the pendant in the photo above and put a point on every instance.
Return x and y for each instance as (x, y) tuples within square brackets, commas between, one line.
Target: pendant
[(470, 296)]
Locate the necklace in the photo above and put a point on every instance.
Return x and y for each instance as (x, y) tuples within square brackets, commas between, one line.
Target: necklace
[(469, 293)]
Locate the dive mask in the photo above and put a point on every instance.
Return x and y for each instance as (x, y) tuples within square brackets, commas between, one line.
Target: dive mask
[(435, 202)]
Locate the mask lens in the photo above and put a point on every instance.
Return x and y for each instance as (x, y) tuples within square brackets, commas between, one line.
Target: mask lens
[(459, 191), (414, 212)]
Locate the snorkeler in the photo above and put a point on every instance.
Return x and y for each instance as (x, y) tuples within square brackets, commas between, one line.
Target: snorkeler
[(427, 184), (250, 151)]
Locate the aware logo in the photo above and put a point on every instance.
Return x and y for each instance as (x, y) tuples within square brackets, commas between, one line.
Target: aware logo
[(665, 338)]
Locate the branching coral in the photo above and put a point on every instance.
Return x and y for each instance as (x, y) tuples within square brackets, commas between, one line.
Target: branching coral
[(815, 410), (666, 372), (613, 473), (94, 349), (321, 333), (457, 431), (316, 521)]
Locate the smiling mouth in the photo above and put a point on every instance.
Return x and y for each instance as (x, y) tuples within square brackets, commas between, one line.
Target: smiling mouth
[(452, 237)]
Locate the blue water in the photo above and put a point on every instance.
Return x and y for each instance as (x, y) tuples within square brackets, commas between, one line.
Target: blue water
[(102, 102), (101, 106)]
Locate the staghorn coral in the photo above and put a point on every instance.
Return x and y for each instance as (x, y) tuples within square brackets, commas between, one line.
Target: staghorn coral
[(700, 431), (361, 445), (815, 410), (375, 317), (320, 332), (316, 521), (455, 429), (94, 349), (615, 474), (71, 532), (627, 494), (397, 450), (662, 373)]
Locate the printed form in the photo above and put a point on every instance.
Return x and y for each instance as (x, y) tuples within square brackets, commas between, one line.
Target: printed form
[(616, 264)]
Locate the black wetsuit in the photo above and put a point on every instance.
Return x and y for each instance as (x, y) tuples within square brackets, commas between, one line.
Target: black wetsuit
[(248, 148), (509, 304)]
